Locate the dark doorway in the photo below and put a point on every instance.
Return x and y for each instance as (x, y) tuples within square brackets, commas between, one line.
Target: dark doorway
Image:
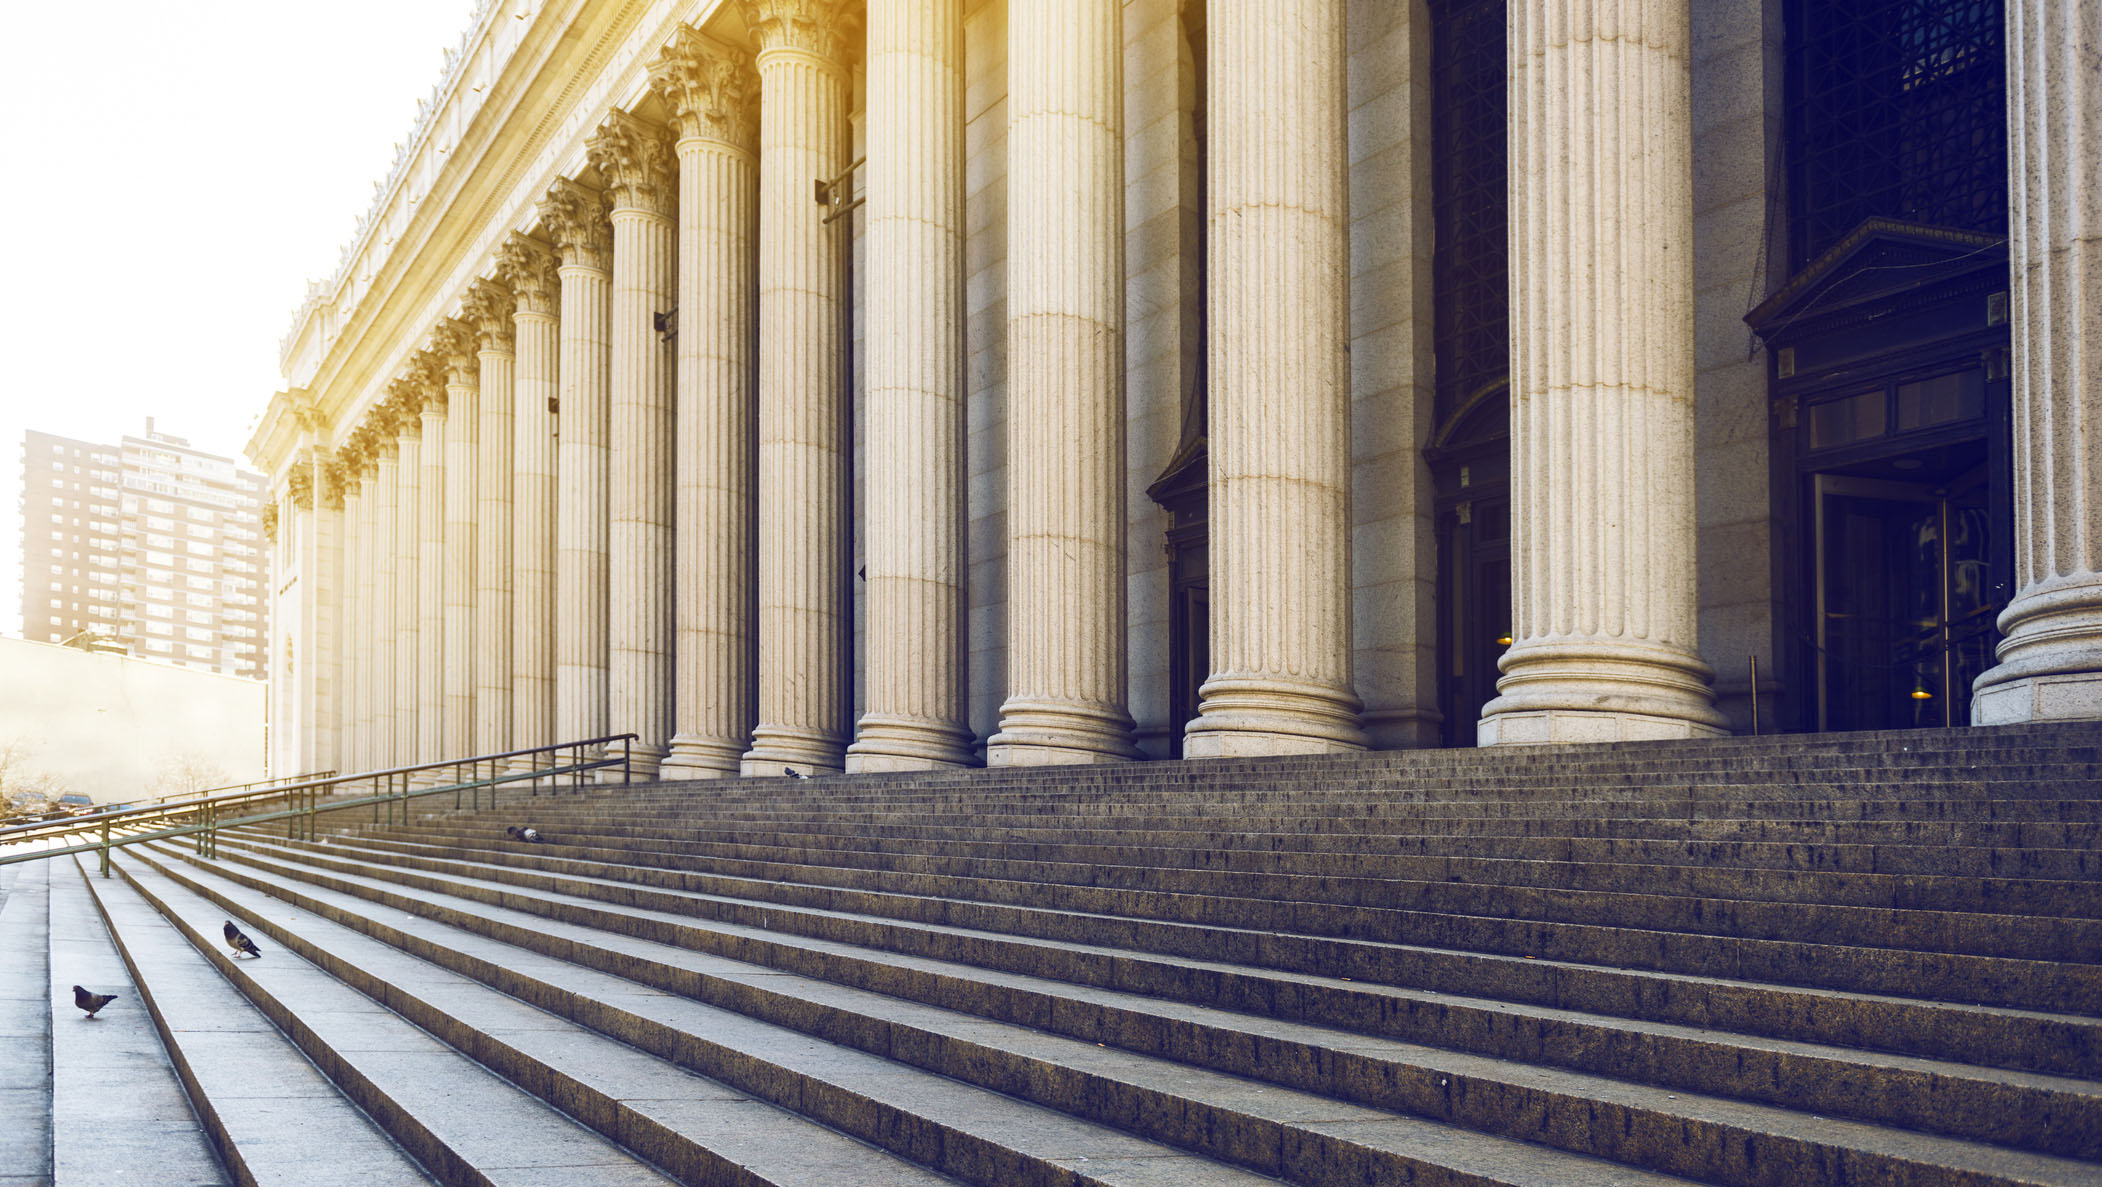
[(1471, 473)]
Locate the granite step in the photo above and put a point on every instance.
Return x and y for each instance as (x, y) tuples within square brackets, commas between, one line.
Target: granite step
[(1585, 1114), (1183, 1126), (25, 1026), (461, 1122), (1405, 909), (271, 1115)]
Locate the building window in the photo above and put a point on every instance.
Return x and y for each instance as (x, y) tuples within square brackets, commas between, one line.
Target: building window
[(1897, 109)]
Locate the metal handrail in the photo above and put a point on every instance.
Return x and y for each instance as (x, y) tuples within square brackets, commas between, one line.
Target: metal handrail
[(286, 781), (311, 793)]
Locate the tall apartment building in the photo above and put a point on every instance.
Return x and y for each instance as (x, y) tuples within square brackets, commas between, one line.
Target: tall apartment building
[(149, 544)]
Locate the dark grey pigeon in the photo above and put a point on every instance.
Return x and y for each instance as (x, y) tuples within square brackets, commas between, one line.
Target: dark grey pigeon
[(91, 1002), (239, 942), (792, 773)]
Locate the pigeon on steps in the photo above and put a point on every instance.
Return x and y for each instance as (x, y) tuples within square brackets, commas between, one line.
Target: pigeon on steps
[(792, 773), (91, 1002), (529, 835), (239, 942)]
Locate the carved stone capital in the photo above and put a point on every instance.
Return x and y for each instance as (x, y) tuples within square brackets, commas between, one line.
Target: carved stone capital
[(335, 480), (830, 29), (637, 163), (710, 88), (270, 521), (456, 344), (299, 486), (575, 218), (528, 267), (489, 306)]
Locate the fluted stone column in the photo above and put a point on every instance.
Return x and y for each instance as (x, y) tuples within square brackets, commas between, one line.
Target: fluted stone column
[(635, 160), (489, 307), (381, 692), (712, 93), (304, 633), (2050, 658), (433, 576), (1279, 419), (352, 724), (803, 51), (528, 267), (409, 659), (915, 715), (453, 344), (1065, 391), (575, 218), (325, 649), (1602, 380)]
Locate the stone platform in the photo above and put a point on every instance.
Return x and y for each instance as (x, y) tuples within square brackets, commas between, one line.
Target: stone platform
[(1866, 958)]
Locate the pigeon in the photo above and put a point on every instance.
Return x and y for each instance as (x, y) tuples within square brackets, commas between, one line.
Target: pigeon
[(239, 942), (792, 773), (529, 835), (91, 1002)]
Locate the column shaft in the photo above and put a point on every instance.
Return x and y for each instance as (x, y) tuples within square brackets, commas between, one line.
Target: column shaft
[(1279, 312), (583, 371), (380, 690), (802, 411), (462, 509), (1065, 393), (325, 646), (2050, 659), (493, 557), (915, 440), (1602, 380), (533, 499), (432, 742), (636, 161), (356, 631), (408, 555)]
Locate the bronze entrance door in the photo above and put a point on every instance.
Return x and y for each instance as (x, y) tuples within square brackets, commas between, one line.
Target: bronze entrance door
[(1905, 610)]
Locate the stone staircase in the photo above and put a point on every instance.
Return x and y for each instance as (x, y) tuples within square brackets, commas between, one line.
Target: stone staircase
[(1860, 959)]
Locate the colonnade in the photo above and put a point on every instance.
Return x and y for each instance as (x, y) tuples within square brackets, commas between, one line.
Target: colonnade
[(622, 471)]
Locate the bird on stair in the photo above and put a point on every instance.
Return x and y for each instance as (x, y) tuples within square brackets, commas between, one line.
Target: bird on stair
[(91, 1002), (529, 835), (239, 942), (792, 773)]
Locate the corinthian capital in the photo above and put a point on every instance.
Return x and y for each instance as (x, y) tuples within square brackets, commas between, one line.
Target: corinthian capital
[(576, 220), (489, 306), (299, 486), (404, 407), (830, 29), (456, 344), (333, 480), (635, 159), (710, 88), (528, 267)]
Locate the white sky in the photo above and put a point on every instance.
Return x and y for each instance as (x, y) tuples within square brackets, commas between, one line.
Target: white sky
[(180, 171)]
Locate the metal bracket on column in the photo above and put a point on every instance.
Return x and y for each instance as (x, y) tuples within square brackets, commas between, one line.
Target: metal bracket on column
[(835, 192)]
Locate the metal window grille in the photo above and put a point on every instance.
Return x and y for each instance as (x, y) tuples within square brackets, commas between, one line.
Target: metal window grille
[(1897, 109), (1470, 199)]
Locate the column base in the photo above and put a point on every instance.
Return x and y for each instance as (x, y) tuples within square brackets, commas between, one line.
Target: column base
[(644, 761), (695, 757), (776, 747), (890, 742), (1567, 690), (1250, 716), (1038, 733), (2050, 662)]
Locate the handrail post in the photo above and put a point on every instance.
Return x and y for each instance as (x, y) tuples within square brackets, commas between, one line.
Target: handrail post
[(105, 848), (627, 760)]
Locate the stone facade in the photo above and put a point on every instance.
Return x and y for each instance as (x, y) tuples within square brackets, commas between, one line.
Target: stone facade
[(885, 384)]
